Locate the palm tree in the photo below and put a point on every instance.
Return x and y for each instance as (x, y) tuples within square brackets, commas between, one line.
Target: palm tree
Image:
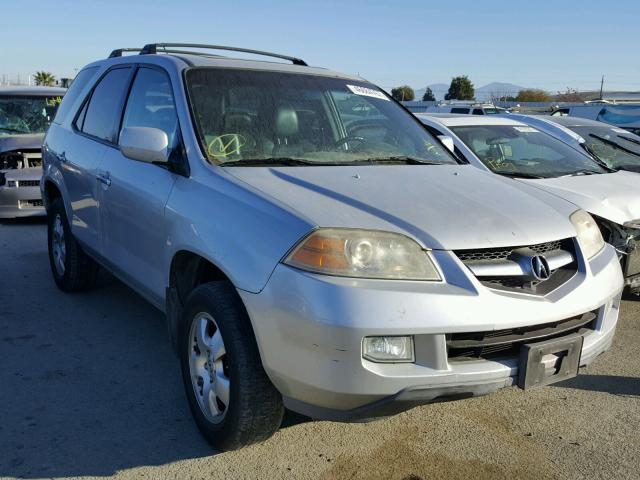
[(45, 79)]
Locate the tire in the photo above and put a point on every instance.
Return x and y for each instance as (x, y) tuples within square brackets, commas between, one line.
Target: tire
[(72, 269), (214, 319)]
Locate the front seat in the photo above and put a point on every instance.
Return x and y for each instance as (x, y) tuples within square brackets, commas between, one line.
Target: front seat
[(286, 140)]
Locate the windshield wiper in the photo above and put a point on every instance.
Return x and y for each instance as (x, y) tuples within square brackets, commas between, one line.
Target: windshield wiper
[(275, 161), (614, 144), (397, 159), (629, 139), (518, 174)]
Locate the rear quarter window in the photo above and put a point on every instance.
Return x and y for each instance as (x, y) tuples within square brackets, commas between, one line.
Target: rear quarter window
[(72, 94)]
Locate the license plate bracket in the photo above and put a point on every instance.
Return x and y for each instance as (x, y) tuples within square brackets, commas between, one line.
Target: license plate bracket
[(549, 361)]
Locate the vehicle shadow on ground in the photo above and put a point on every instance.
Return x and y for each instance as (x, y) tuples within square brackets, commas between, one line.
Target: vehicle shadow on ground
[(625, 386), (89, 384)]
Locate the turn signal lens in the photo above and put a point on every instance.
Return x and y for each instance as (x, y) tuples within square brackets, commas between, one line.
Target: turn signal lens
[(363, 254)]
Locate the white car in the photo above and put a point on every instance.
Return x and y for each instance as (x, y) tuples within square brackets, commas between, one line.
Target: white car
[(514, 149)]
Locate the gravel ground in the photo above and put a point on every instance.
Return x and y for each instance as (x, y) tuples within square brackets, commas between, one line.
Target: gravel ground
[(89, 387)]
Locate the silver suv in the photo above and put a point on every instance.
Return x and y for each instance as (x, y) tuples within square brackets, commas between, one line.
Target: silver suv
[(311, 244)]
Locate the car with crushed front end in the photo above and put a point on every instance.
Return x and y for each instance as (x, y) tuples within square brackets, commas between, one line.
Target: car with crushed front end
[(311, 244), (615, 146), (513, 148), (25, 115)]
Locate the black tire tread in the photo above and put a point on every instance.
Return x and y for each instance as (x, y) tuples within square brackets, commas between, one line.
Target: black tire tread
[(256, 409), (81, 271)]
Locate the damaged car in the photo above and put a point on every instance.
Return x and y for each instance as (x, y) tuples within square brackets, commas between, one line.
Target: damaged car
[(512, 148), (311, 244), (25, 115)]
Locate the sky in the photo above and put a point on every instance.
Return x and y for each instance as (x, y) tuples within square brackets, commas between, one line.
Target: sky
[(546, 44)]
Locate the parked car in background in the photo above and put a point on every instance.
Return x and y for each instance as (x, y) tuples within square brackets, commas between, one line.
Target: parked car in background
[(466, 108), (25, 115), (311, 244), (617, 147), (625, 116), (514, 149)]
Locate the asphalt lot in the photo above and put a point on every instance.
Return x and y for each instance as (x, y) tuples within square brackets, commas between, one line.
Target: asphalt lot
[(89, 387)]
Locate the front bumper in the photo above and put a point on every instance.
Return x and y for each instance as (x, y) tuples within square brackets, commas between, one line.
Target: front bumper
[(21, 202), (310, 327)]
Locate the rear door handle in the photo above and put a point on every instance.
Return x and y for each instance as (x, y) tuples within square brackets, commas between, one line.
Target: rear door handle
[(104, 178)]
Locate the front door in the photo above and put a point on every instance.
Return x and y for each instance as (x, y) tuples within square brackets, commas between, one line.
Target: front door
[(133, 202)]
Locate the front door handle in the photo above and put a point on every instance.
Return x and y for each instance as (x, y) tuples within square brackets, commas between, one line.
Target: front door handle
[(104, 178)]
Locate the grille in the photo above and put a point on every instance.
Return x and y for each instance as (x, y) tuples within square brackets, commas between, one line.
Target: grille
[(503, 253), (28, 183), (507, 342), (31, 203)]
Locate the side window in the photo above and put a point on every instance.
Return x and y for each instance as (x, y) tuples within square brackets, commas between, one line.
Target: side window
[(151, 103), (459, 110), (72, 94), (103, 111), (478, 111)]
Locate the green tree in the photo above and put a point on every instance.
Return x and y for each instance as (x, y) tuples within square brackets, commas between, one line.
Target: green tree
[(428, 96), (461, 88), (45, 79), (533, 95), (403, 94)]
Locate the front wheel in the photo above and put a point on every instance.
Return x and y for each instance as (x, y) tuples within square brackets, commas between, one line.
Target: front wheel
[(231, 398)]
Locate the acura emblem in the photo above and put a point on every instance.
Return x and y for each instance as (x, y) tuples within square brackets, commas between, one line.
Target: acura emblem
[(540, 267)]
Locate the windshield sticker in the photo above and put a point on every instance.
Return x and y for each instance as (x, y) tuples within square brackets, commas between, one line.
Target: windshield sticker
[(367, 92), (225, 145), (525, 129)]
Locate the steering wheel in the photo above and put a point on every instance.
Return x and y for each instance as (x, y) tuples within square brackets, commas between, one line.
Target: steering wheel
[(350, 138)]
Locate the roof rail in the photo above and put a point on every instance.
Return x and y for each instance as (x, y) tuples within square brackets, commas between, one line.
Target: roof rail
[(118, 52), (152, 48)]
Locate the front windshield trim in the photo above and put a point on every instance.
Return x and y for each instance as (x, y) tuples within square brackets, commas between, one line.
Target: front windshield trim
[(447, 157)]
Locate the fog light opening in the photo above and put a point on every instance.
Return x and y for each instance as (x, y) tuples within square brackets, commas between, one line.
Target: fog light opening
[(388, 349)]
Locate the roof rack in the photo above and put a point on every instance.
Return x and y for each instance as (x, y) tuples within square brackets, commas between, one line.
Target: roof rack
[(118, 52), (152, 48)]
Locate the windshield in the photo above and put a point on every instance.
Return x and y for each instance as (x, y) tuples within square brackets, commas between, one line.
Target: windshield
[(525, 151), (614, 146), (256, 118), (27, 114)]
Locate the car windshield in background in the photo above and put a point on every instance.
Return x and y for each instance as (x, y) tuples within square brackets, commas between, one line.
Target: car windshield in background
[(262, 118), (524, 151), (614, 146), (27, 114)]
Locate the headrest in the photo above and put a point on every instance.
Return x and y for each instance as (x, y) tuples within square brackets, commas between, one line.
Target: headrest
[(286, 122)]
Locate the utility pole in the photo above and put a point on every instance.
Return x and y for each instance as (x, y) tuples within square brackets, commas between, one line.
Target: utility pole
[(601, 87)]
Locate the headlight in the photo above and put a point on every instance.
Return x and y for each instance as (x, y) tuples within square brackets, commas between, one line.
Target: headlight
[(589, 235), (363, 254)]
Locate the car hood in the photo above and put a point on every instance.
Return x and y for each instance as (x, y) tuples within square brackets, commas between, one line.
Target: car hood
[(19, 142), (443, 207), (22, 174), (613, 196)]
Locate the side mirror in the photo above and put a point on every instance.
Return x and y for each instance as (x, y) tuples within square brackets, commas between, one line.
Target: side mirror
[(447, 141), (145, 144)]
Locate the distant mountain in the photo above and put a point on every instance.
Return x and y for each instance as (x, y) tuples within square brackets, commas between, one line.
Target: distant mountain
[(438, 89), (483, 94)]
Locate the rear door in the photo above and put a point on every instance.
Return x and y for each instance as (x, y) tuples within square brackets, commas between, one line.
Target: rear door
[(132, 205), (95, 134)]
